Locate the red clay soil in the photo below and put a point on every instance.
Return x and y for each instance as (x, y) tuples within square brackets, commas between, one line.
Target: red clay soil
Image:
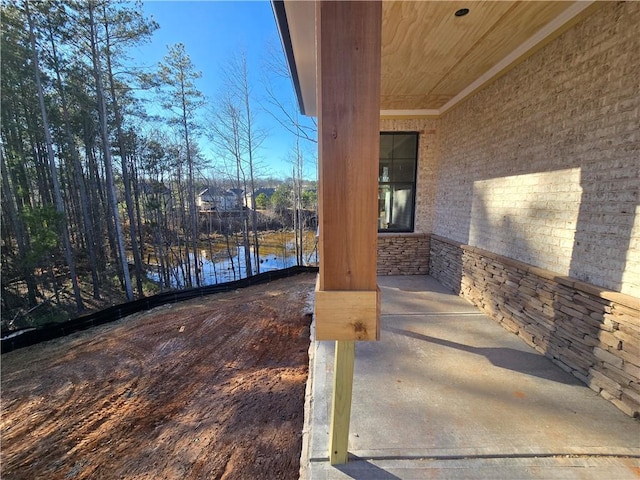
[(205, 389)]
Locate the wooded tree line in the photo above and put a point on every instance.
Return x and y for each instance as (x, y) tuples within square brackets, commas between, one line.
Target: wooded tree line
[(91, 183)]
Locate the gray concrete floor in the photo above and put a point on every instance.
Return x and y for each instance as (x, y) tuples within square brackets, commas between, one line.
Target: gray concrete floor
[(447, 393)]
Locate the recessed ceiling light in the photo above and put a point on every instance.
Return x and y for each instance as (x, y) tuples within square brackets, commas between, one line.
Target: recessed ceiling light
[(462, 12)]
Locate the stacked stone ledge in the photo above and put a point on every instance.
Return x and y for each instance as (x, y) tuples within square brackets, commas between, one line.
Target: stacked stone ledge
[(589, 332), (403, 254)]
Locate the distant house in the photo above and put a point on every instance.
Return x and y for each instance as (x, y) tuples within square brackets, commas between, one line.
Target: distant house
[(248, 196), (205, 201), (237, 196), (216, 199)]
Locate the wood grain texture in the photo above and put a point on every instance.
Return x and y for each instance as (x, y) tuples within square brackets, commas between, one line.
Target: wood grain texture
[(348, 130), (347, 315), (519, 23), (341, 404), (429, 55)]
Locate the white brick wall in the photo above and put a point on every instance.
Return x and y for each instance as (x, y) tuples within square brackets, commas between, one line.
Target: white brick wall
[(507, 213), (570, 112)]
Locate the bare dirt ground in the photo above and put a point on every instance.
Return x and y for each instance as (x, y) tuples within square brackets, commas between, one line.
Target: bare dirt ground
[(204, 389)]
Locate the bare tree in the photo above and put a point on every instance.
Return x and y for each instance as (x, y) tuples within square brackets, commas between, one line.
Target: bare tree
[(252, 138), (236, 132), (284, 111), (226, 133)]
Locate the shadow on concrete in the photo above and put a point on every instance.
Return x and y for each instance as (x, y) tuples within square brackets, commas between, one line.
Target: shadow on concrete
[(519, 361), (362, 469)]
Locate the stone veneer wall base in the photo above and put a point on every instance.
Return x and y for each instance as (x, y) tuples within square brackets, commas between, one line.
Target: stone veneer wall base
[(403, 254), (588, 331)]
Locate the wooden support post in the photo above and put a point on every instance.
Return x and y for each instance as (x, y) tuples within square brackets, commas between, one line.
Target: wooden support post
[(349, 35), (341, 403), (348, 88)]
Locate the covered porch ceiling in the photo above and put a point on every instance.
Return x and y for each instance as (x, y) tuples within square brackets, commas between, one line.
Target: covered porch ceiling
[(432, 58)]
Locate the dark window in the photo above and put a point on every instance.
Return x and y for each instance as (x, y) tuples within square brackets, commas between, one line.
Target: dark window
[(397, 181)]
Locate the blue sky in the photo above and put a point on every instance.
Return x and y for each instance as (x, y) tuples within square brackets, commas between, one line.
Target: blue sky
[(213, 32)]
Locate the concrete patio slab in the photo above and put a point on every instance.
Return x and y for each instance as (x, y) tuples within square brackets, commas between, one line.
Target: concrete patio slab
[(448, 393)]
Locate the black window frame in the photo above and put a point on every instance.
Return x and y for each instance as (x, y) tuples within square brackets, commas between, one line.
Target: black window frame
[(391, 183)]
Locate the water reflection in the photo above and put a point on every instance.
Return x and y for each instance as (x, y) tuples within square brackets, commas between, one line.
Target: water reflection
[(217, 267)]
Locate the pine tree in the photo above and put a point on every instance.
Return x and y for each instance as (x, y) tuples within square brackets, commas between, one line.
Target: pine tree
[(176, 80), (51, 159)]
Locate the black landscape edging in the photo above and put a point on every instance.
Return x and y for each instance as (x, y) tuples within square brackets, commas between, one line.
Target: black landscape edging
[(116, 312)]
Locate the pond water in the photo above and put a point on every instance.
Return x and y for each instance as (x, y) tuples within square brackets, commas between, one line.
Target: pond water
[(219, 268)]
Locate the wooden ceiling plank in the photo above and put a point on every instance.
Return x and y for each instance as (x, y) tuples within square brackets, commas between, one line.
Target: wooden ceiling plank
[(513, 29), (415, 31), (576, 12), (451, 50)]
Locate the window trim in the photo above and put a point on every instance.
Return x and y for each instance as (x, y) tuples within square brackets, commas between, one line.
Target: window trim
[(411, 229)]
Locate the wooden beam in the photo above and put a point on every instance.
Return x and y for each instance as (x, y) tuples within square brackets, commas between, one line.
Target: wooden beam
[(347, 315), (348, 42), (349, 135), (348, 88), (341, 408)]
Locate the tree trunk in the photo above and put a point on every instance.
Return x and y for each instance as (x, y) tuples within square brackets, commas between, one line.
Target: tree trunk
[(191, 187), (101, 220), (137, 203), (51, 159), (254, 213), (21, 236), (111, 188), (77, 168), (185, 263), (244, 219), (123, 161)]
